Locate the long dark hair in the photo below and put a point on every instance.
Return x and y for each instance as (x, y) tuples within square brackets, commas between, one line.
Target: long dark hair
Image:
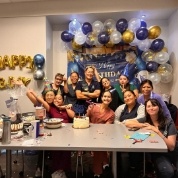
[(161, 118)]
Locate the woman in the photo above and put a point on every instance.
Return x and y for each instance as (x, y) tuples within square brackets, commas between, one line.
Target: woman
[(146, 88), (101, 114), (106, 86), (61, 159), (165, 128), (58, 110), (131, 110), (131, 113), (48, 96), (69, 89), (56, 86), (124, 85)]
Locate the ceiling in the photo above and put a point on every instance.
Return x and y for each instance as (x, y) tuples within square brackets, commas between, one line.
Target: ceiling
[(61, 12)]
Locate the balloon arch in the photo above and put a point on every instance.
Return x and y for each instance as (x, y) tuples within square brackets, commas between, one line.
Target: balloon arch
[(153, 58)]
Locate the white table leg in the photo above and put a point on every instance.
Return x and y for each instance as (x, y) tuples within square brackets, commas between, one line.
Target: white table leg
[(114, 164)]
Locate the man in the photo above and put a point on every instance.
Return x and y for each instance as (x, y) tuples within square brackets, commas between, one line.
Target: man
[(87, 91)]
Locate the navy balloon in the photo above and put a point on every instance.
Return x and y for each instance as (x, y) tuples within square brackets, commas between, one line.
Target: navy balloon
[(143, 24), (86, 28), (103, 38), (66, 36), (142, 33), (39, 61), (157, 45), (151, 66), (122, 25)]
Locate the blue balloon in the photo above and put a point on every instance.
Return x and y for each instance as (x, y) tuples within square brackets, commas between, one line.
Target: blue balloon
[(157, 45), (143, 24), (39, 61), (122, 25), (142, 33), (66, 36), (141, 64), (86, 28), (151, 66), (103, 38)]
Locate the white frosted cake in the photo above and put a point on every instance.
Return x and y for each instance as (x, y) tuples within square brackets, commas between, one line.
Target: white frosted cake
[(81, 123)]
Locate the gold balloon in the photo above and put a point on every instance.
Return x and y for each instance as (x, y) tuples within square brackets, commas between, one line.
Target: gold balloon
[(8, 61), (2, 83), (31, 63), (22, 61), (10, 82), (26, 81), (109, 44), (154, 32), (2, 66), (15, 61), (70, 55), (165, 50), (75, 45), (128, 36)]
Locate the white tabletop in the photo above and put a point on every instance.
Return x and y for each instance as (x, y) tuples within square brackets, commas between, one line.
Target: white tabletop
[(98, 137)]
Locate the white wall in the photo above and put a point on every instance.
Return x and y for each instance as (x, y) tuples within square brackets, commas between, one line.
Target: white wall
[(21, 36), (173, 51), (32, 35)]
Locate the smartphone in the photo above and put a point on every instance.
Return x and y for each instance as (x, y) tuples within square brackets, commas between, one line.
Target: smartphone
[(133, 129)]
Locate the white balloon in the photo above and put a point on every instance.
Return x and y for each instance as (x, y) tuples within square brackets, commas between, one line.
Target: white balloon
[(161, 57), (74, 26), (80, 38), (115, 37), (109, 24), (134, 24), (142, 75), (134, 42), (97, 27), (166, 78), (144, 45), (155, 77)]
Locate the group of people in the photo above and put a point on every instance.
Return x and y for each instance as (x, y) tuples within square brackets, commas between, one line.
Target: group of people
[(107, 104)]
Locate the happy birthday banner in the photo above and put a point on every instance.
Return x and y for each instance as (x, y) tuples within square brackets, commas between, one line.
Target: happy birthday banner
[(16, 60)]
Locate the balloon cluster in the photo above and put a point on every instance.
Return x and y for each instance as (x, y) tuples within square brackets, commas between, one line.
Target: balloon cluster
[(153, 56), (110, 33), (39, 61)]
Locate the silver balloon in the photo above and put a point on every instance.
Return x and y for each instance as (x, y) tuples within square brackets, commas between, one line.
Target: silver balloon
[(161, 57), (155, 77), (38, 74), (166, 78), (148, 56)]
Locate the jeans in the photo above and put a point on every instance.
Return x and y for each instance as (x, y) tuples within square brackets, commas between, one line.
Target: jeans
[(164, 167)]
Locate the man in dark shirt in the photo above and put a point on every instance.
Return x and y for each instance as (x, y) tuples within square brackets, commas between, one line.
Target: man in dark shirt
[(87, 91)]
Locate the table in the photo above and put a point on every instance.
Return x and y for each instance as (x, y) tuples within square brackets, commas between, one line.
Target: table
[(98, 137)]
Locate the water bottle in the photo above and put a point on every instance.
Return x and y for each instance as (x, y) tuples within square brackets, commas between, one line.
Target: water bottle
[(6, 135)]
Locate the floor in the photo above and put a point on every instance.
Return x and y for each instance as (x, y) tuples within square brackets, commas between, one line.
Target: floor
[(30, 164)]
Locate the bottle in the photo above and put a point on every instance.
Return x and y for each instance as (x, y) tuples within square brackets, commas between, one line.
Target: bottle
[(6, 135), (41, 128)]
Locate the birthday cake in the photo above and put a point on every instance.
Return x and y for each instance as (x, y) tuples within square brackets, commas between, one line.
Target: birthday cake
[(81, 123)]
